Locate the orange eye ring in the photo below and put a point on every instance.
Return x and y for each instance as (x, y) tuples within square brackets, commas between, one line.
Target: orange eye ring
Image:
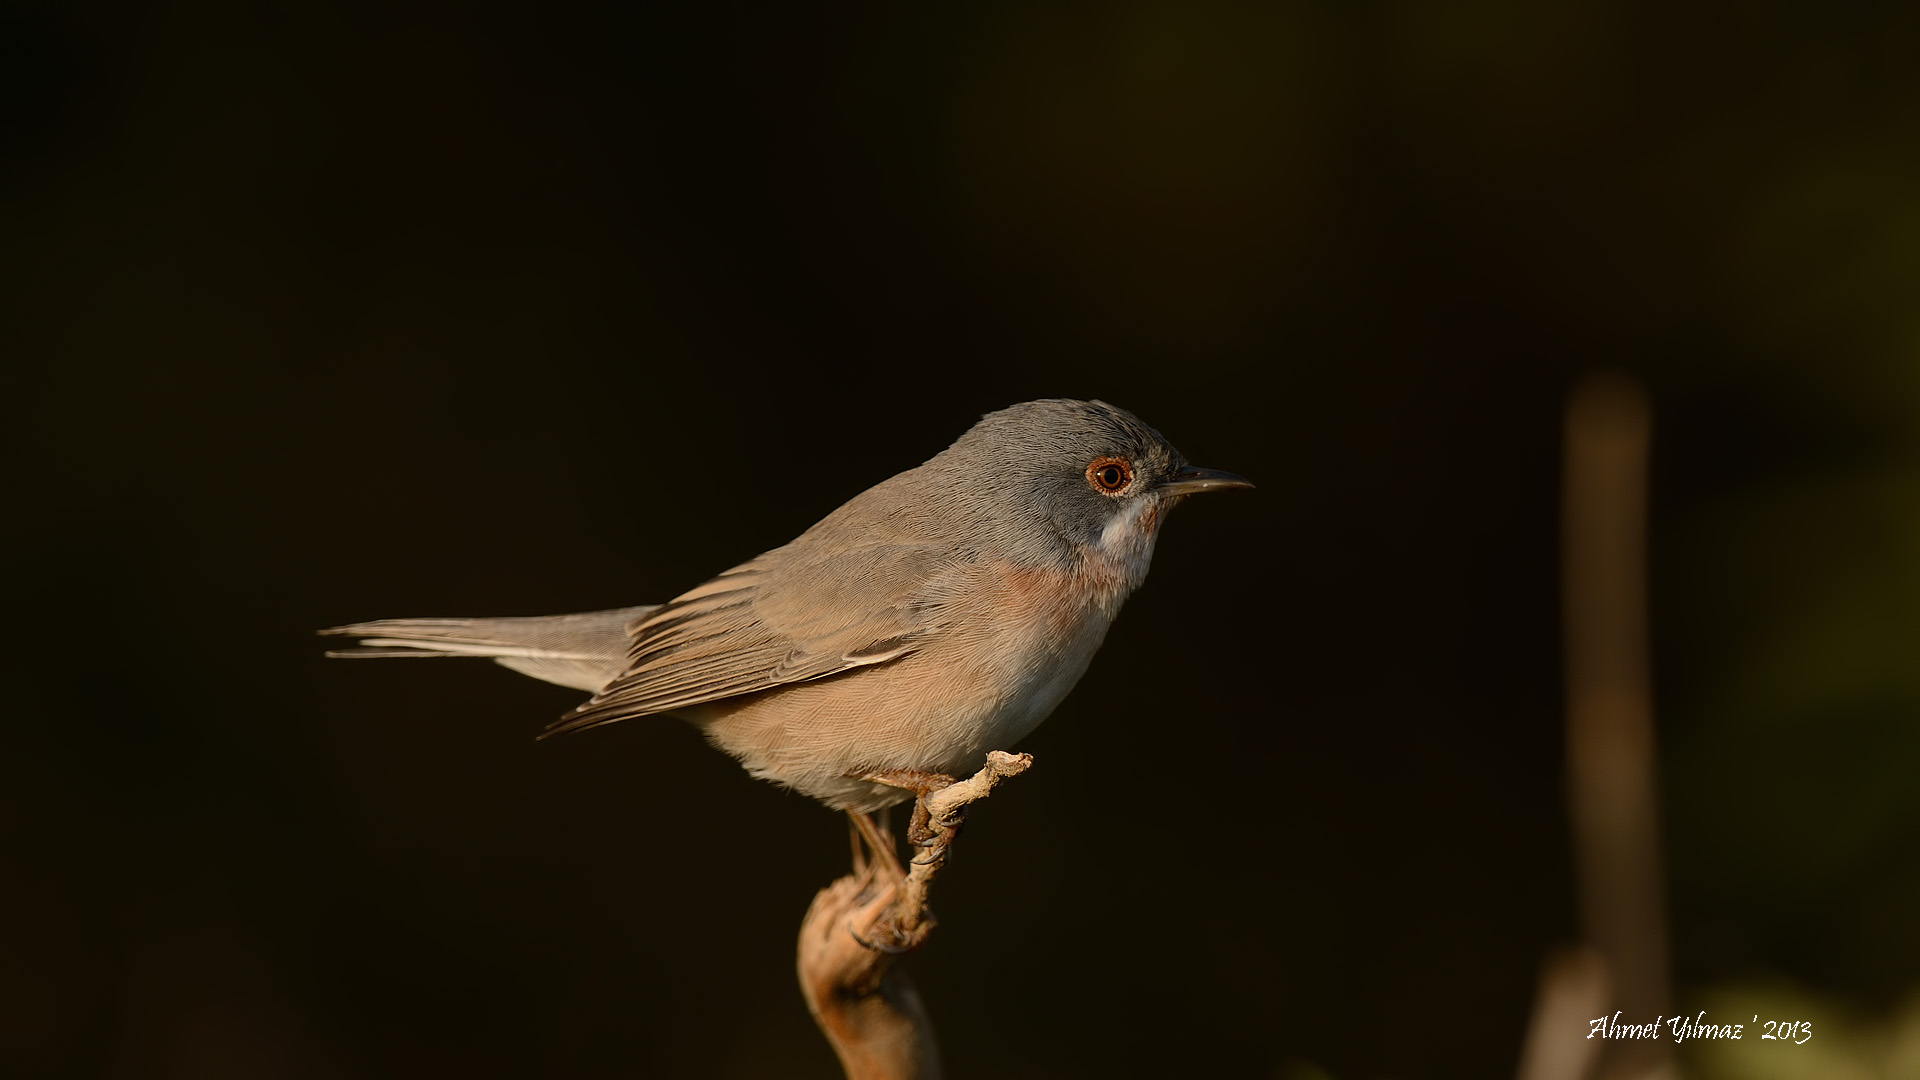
[(1110, 475)]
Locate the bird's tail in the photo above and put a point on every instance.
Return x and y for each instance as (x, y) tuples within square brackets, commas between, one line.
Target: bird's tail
[(585, 651)]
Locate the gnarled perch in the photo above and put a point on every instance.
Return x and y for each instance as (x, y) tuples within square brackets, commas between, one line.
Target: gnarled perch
[(858, 926)]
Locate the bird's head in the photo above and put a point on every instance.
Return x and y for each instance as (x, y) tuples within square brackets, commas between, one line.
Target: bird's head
[(1083, 479)]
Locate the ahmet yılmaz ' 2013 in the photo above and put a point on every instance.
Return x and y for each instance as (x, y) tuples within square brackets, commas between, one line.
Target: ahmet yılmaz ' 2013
[(1696, 1027)]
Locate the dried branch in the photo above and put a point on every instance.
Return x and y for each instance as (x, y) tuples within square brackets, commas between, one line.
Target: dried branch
[(861, 924)]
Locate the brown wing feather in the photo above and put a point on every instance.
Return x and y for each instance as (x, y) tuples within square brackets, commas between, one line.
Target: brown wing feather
[(790, 616)]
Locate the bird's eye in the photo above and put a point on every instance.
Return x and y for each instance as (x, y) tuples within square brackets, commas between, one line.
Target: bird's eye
[(1110, 475)]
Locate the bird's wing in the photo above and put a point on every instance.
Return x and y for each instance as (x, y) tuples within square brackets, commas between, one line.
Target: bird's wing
[(790, 616)]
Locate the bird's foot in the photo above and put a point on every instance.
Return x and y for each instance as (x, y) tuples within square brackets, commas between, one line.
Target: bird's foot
[(924, 831), (902, 941), (933, 838)]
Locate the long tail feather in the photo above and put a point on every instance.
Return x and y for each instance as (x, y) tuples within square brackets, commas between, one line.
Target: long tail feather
[(585, 651)]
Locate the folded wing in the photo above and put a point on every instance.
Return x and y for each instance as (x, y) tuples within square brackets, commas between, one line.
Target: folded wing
[(739, 634)]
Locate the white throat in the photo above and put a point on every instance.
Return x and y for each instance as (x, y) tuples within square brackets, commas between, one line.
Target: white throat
[(1126, 543)]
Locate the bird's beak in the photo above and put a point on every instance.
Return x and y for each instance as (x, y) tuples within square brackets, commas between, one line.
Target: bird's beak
[(1191, 481)]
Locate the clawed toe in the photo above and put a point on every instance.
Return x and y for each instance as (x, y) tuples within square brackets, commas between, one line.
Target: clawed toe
[(890, 950), (910, 942), (935, 840), (923, 831)]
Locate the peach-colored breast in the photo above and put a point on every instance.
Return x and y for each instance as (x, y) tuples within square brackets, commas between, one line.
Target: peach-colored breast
[(1006, 646)]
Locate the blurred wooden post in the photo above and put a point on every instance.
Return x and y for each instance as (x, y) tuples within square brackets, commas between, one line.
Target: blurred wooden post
[(1611, 769), (1573, 990)]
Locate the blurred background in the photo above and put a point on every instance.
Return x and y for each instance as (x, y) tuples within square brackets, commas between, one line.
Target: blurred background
[(327, 312)]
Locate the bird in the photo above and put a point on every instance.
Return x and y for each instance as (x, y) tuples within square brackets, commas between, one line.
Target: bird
[(938, 615)]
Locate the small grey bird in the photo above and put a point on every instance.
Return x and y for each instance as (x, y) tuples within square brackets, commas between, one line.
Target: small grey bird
[(938, 615)]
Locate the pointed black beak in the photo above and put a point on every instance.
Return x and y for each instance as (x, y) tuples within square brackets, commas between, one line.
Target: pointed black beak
[(1191, 481)]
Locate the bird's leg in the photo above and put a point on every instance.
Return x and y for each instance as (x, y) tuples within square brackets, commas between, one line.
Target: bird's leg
[(923, 831), (858, 843), (879, 842)]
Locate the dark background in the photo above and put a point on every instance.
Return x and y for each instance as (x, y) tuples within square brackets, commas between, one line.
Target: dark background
[(330, 312)]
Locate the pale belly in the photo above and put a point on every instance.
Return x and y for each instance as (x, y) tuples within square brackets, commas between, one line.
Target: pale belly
[(938, 710)]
